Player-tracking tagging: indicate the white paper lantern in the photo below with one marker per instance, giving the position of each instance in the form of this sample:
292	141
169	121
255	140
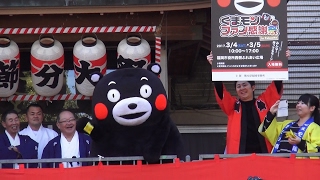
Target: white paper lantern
89	56
47	64
9	67
133	51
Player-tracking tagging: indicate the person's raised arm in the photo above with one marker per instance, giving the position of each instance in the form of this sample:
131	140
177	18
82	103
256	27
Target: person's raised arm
224	98
272	93
270	116
270	128
279	86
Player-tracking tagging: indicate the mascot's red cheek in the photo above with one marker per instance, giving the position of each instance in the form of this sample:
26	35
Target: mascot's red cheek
273	3
224	3
161	102
100	111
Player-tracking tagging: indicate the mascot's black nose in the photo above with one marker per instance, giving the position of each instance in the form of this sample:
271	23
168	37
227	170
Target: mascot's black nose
132	105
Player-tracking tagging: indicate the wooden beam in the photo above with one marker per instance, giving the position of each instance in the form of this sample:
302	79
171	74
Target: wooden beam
170	33
106	9
176	18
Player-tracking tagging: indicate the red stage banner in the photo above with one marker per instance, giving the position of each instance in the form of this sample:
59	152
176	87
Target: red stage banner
267	168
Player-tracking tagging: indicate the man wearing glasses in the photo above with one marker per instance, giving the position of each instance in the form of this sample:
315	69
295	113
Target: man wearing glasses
69	144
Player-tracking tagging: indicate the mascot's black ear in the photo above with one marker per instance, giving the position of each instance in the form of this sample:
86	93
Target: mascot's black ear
155	68
95	77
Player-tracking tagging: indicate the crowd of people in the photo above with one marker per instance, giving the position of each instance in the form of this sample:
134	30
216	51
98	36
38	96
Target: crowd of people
38	142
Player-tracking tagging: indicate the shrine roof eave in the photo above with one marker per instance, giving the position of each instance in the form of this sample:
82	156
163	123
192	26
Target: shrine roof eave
105	9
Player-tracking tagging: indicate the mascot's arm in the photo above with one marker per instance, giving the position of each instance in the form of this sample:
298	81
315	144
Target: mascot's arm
84	125
154	146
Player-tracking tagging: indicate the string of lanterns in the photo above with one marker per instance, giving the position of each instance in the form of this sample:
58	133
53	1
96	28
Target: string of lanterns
47	62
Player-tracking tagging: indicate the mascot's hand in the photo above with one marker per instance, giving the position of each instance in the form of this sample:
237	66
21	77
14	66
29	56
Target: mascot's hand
152	153
154	147
152	156
81	124
84	126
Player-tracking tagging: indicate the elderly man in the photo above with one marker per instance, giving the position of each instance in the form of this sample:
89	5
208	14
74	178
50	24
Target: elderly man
13	145
69	144
35	130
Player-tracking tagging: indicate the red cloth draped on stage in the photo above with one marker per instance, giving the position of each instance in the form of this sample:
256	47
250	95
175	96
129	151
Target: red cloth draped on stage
267	168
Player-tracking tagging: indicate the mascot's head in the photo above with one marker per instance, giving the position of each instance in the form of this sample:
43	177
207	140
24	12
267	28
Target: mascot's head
129	97
249	6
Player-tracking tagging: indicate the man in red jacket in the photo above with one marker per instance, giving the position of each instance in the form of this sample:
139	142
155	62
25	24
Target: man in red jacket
245	114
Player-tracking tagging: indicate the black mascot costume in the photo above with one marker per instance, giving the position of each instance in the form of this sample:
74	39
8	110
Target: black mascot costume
131	116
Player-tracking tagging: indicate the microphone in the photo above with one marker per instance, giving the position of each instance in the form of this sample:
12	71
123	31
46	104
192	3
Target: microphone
71	162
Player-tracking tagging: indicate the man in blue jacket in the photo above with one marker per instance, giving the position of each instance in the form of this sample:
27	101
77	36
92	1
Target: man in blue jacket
13	145
69	144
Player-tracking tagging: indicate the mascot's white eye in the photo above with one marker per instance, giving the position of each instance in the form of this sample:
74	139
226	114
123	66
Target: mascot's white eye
145	91
113	95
